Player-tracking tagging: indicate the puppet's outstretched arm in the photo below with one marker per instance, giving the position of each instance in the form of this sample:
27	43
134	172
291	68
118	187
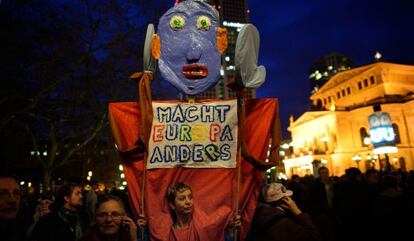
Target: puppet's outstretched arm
249	75
144	82
246	56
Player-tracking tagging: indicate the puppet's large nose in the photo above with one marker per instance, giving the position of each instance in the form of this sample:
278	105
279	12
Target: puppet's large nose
194	51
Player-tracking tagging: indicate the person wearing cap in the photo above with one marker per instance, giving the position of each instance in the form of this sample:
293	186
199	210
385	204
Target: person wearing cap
43	207
67	221
278	217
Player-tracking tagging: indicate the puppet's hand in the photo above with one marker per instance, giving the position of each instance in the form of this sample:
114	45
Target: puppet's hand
141	221
149	60
261	166
233	226
247	53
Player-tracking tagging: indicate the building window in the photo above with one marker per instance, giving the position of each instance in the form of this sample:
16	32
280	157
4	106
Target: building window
319	104
363	134
372	80
348	90
359	85
329	99
343	93
365	82
397	133
338	95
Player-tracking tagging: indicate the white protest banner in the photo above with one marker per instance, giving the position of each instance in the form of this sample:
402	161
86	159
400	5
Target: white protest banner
197	135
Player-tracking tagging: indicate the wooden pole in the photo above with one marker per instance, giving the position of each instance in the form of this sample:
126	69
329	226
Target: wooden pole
241	117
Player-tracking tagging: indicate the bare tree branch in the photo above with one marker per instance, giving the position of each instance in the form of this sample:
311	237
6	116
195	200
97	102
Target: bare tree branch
98	128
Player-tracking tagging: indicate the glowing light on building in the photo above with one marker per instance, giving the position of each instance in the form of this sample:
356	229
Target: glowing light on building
385	150
367	140
285	146
299	161
233	25
378	55
318	76
356	158
325	139
282	176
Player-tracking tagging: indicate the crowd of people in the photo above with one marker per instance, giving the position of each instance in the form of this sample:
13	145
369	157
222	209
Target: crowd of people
356	205
371	205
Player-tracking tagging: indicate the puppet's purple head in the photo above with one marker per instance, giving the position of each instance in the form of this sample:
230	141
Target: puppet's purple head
189	56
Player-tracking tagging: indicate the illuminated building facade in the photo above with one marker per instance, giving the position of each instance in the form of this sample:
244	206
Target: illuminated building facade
337	134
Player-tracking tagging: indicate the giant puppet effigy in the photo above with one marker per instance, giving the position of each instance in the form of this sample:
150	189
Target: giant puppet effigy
216	146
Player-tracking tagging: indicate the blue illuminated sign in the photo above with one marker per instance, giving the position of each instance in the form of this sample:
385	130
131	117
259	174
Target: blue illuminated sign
381	132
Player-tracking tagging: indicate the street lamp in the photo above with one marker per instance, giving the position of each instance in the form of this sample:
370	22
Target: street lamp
285	146
357	159
367	140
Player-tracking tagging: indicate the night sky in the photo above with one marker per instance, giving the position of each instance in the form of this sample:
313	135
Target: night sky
296	33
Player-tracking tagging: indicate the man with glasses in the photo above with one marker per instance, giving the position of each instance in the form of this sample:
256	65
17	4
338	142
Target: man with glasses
66	222
112	223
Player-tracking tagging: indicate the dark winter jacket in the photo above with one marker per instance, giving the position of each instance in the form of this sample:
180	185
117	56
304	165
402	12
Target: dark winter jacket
270	223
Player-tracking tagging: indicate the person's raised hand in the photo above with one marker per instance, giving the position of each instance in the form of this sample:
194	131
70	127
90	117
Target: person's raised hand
235	224
289	204
142	221
129	224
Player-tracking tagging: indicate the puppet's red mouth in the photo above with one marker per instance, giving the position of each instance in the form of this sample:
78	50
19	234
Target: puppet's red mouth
195	71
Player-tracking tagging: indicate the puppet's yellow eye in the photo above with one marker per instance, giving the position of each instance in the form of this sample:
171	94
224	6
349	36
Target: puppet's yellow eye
177	22
203	23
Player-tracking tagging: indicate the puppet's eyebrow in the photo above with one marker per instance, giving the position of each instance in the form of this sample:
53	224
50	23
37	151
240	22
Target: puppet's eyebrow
172	13
197	13
206	13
